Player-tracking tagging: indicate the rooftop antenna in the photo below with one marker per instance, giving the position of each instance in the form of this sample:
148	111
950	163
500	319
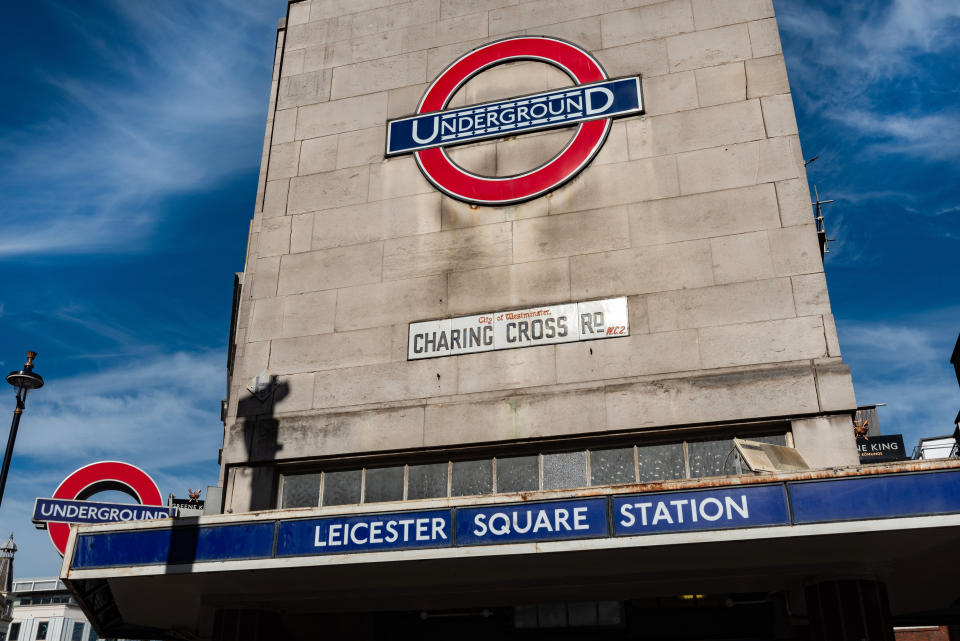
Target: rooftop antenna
821	228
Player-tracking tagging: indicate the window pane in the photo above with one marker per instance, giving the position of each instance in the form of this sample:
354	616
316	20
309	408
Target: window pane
561	471
427	481
383	484
661	462
581	614
772	439
77	631
341	488
472	477
301	490
609	467
518	474
707	458
42	629
14	631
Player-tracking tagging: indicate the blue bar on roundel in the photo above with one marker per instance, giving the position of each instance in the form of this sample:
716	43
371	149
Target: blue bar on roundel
525	522
365	533
547	110
719	509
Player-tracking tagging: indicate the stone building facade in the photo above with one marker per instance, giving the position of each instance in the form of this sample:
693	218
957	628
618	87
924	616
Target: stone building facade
697	212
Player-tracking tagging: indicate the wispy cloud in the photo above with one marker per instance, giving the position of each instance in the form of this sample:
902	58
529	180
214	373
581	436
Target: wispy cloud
905	364
171	111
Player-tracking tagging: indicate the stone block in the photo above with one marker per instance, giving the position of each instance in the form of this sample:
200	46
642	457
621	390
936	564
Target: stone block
402	301
455	214
310	313
338	350
445	32
835	387
330	268
739	165
328	190
507	369
646	59
361	147
326	9
283	160
301	233
370	222
720	213
790	339
667	94
766	76
265	277
275	198
637	310
795	203
569	234
294	393
826	441
304	89
795	250
510	287
585	32
741	257
439	58
617	184
293	63
298	13
830	332
525	15
810	294
379	75
266	322
479	158
647	23
635	355
696	129
390	18
764	38
721	84
447	251
523	153
761	393
708	48
318	155
710	13
516	417
284	125
314	59
350	432
253	360
721	305
778	115
338	116
397	177
449	8
274	237
404	101
385	383
316	32
641	270
615	149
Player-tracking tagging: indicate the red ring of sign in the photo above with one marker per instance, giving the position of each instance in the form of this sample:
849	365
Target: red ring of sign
463	185
138	484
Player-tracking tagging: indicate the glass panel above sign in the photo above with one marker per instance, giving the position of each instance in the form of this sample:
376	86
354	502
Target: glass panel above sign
531	327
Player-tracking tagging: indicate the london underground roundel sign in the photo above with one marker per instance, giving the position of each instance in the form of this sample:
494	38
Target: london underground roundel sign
590	104
68	505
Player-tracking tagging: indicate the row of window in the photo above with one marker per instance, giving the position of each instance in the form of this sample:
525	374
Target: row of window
545	471
43	628
45	600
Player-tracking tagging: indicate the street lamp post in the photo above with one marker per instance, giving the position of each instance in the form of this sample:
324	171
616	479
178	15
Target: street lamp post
23	381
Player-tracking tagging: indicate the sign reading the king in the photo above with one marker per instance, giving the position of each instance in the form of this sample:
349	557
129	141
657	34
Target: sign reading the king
591	104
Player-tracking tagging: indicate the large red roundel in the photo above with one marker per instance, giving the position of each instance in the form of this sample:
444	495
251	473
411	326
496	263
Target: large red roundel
488	190
104	475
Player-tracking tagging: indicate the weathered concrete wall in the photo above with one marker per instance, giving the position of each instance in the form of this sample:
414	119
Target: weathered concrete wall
698	212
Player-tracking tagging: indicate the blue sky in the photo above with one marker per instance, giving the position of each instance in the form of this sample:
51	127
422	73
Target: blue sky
129	151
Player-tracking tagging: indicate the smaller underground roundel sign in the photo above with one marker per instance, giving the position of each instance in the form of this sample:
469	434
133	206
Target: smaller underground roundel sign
68	504
591	104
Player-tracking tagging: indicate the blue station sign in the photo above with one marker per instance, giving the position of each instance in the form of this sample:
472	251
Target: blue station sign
785	504
547	110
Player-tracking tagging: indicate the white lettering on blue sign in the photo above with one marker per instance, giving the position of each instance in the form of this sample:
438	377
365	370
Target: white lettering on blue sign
70	511
557	108
532	522
382	531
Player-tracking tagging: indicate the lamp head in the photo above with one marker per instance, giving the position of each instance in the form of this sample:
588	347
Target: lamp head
26	379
